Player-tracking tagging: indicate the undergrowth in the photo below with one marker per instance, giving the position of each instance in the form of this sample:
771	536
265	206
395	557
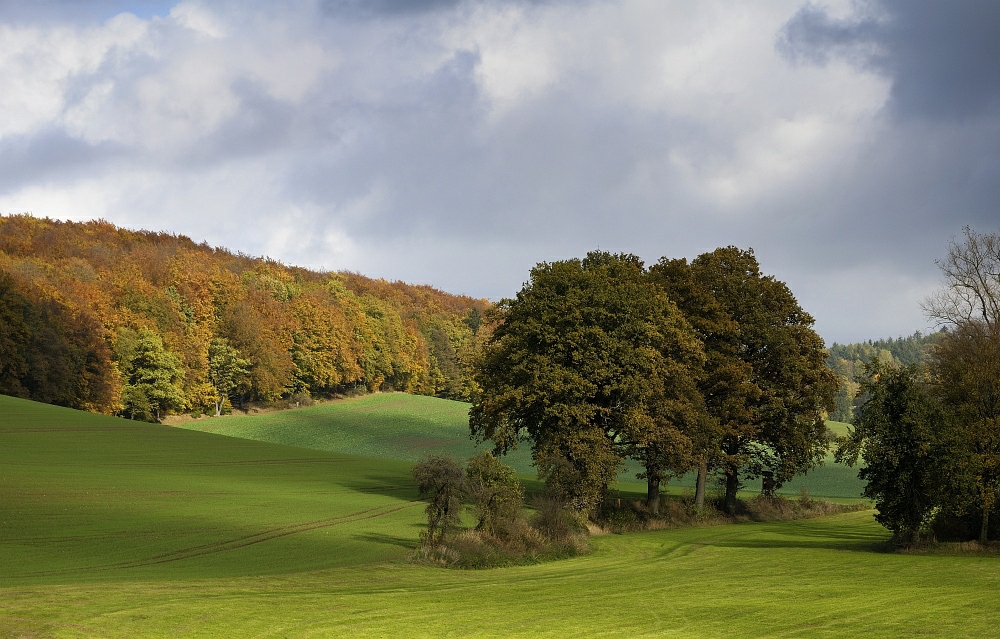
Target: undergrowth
618	516
552	532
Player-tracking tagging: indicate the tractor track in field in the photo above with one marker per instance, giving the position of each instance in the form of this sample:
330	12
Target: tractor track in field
233	544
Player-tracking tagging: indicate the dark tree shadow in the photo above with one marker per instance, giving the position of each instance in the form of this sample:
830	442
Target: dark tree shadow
391	540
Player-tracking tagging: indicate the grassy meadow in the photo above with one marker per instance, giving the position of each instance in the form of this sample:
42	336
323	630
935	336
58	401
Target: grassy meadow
407	427
111	528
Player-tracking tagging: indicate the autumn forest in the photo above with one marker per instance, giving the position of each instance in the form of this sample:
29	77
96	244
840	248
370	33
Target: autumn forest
141	324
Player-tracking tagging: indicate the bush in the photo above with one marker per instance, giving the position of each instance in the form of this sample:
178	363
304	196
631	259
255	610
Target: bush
554	520
498	496
503	536
441	479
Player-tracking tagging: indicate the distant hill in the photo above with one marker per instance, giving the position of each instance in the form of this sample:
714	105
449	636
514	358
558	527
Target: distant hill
117	321
846	361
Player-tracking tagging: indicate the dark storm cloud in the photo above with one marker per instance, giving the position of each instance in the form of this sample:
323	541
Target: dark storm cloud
943	57
934	165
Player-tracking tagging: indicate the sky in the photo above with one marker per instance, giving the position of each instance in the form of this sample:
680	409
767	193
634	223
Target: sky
458	143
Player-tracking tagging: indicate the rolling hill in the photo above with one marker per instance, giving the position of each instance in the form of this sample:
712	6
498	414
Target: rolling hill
407	427
112	528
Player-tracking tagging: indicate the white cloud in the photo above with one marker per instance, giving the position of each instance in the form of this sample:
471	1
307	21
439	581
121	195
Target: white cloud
459	145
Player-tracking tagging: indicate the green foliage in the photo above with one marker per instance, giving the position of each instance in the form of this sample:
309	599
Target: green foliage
574	362
775	388
847	362
496	493
227	371
966	369
901	434
151	375
441	481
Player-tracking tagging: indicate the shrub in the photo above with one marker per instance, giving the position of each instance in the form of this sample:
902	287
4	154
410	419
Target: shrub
440	479
497	495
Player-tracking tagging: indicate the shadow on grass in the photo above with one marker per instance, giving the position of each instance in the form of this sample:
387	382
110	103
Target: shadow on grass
809	534
398	486
390	540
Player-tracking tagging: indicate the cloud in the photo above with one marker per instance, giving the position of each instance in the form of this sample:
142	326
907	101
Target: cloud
943	58
457	143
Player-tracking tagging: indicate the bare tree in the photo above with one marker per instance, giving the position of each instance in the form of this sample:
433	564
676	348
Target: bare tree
966	363
971	291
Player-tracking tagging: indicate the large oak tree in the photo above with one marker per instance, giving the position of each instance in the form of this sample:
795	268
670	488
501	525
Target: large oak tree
589	362
768	386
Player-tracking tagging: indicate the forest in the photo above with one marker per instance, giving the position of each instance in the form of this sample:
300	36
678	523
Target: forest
143	324
847	361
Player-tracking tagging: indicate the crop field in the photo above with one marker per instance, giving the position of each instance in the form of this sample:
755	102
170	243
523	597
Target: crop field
407	427
110	528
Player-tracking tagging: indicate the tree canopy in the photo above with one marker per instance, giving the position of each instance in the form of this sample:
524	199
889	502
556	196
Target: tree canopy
589	361
705	363
72	291
773	387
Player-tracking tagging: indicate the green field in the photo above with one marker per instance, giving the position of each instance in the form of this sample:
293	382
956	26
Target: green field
384	425
110	528
406	427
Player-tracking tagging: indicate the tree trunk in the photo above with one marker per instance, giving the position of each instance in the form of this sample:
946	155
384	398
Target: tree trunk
732	485
653	495
218	408
699	490
985	528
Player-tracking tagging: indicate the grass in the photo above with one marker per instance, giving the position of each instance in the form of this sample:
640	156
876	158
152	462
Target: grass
88	497
111	528
406	427
383	425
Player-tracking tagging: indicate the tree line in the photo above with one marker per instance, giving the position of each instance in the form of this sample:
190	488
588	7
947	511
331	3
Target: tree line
707	365
143	324
847	361
928	434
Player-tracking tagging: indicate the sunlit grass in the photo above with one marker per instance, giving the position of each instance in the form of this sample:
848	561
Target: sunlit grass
407	427
111	528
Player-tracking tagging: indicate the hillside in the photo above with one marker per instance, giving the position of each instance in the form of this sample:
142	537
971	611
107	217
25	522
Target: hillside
847	361
407	427
145	324
112	528
86	497
385	425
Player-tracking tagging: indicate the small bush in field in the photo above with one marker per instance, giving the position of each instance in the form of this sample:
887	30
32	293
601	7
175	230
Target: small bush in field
497	495
440	479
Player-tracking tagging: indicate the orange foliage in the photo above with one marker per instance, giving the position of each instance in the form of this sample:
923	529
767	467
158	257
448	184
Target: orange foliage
302	330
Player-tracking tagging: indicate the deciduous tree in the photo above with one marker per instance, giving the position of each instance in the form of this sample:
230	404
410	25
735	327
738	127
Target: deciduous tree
580	365
778	426
901	436
966	368
227	371
151	375
966	361
496	493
